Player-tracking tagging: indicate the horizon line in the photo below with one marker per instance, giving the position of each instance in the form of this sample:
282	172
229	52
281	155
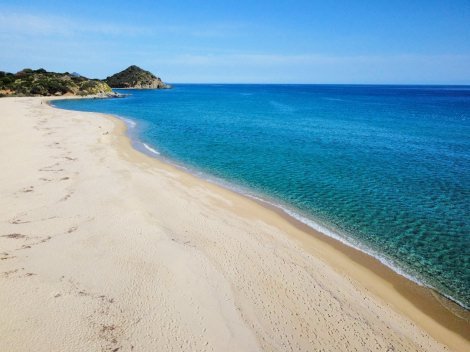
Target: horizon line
320	84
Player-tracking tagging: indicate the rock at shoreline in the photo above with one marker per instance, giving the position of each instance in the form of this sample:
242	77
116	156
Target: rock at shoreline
135	77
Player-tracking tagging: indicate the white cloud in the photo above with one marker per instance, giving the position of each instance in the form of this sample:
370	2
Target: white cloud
16	24
27	24
309	59
314	68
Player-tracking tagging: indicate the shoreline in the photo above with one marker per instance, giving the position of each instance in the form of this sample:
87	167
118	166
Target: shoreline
299	220
259	279
431	303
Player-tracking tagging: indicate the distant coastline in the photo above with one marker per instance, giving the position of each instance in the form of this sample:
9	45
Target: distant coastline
40	82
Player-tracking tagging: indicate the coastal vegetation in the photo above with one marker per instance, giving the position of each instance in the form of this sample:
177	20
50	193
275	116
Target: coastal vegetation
28	82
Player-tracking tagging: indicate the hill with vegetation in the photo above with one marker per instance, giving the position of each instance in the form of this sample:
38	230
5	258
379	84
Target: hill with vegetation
135	77
40	82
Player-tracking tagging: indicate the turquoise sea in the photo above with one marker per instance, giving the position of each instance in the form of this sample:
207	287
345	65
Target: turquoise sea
383	168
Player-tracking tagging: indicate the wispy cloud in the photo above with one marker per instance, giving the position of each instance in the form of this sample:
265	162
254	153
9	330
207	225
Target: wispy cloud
42	25
309	59
27	24
320	68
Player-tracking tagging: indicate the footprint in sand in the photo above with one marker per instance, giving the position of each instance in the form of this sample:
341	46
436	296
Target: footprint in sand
72	229
16	273
31	244
14	235
6	256
7	274
28	189
18	221
51	168
66	197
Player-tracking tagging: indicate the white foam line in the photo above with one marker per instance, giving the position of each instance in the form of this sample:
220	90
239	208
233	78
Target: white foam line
346	240
129	123
149	148
356	245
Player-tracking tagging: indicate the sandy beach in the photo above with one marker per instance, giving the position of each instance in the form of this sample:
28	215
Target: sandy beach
103	248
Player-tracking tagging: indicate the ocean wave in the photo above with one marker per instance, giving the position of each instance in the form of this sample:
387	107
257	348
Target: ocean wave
129	123
150	149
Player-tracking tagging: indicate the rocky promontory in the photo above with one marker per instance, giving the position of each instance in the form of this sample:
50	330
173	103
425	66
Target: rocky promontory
135	77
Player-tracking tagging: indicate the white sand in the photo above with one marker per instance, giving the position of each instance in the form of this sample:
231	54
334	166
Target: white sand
105	249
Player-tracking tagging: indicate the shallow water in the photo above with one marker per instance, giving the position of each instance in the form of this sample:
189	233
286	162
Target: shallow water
386	168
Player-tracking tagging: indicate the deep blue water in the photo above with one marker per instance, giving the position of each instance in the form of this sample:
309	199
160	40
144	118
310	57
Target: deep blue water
386	168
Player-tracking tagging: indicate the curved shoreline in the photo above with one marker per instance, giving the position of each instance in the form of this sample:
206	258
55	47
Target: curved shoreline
407	297
291	214
270	202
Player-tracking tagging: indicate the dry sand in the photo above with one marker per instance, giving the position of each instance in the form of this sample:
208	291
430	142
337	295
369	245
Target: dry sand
105	249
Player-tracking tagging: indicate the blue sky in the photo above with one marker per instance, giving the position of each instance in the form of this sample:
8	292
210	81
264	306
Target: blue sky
277	41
